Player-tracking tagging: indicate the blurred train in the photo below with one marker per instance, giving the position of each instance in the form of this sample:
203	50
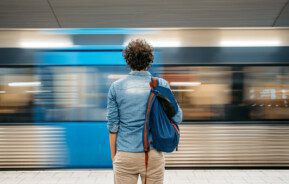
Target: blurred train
232	84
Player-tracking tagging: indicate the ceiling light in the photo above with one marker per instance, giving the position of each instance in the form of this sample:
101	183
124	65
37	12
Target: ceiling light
249	43
47	43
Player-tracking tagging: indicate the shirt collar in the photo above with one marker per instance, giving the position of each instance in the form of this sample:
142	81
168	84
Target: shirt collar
142	73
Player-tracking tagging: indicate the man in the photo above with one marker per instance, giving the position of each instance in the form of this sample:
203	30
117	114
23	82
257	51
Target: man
126	108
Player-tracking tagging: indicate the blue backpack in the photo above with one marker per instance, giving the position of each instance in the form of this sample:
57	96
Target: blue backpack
161	107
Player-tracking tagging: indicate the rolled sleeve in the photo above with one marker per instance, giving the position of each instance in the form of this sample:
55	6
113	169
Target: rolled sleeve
178	118
112	111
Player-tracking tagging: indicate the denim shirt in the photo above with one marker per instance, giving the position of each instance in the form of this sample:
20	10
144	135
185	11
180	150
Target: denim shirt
126	107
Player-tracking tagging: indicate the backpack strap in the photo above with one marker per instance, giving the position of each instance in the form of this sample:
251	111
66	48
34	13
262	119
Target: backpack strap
146	131
154	82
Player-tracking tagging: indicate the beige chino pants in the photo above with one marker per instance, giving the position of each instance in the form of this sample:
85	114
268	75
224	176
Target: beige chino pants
128	166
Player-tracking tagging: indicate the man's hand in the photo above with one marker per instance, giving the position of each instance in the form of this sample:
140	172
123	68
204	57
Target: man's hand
112	141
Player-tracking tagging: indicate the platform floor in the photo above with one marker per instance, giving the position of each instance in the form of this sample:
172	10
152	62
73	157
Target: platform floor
95	176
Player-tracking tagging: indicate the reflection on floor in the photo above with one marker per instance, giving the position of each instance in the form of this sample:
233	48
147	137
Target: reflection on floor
95	176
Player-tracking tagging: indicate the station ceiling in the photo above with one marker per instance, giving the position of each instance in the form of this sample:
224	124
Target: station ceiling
143	13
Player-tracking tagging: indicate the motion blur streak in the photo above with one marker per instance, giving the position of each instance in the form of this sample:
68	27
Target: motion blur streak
227	145
29	146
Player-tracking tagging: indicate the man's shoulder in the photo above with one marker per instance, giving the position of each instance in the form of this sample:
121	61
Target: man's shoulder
120	81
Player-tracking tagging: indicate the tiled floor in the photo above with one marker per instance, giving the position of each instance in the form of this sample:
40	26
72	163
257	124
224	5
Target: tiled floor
171	177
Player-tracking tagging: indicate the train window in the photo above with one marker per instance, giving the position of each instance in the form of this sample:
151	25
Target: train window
75	93
17	87
267	92
203	92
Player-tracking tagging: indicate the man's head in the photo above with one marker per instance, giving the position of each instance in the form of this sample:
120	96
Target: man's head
138	54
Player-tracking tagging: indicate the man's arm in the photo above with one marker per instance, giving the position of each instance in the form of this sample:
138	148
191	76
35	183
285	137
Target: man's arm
112	119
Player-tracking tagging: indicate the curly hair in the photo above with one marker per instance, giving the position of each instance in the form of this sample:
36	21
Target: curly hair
138	54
